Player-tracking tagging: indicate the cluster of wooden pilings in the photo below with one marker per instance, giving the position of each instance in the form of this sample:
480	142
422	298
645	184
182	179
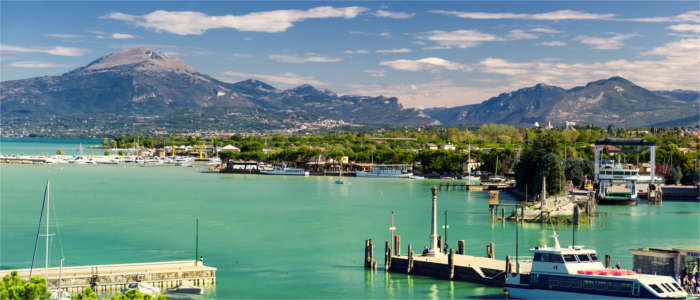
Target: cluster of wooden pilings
453	265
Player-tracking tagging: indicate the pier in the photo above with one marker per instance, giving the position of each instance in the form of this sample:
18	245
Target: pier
106	278
453	265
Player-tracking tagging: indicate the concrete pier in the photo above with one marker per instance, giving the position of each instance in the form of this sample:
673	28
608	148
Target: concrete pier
105	278
460	267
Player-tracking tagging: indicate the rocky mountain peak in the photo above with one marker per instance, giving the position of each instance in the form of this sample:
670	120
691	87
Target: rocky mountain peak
142	59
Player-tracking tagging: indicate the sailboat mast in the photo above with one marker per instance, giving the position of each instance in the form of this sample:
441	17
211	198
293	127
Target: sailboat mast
48	211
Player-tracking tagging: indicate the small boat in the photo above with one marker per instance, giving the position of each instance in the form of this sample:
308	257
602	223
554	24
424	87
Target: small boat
396	171
143	288
414	176
339	181
185	288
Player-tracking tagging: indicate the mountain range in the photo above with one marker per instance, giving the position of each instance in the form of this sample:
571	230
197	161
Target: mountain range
144	91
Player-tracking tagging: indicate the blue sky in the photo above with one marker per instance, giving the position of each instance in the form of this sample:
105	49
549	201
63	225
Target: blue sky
425	53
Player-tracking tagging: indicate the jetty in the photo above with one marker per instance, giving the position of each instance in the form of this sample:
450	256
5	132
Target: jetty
453	265
106	278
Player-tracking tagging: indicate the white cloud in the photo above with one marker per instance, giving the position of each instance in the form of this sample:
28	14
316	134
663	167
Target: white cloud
426	94
54	50
195	23
241	55
545	30
37	65
62	35
519	34
359	51
553	15
290	79
685	28
311	57
375	73
691	16
394	15
119	36
553	44
428	63
677	68
459	38
400	50
381	34
605	43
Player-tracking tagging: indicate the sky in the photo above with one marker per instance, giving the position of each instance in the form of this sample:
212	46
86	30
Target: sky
425	53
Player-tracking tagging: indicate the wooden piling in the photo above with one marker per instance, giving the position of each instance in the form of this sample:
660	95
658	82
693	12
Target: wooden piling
460	247
508	268
451	263
607	261
576	214
387	255
409	265
490	251
439	243
397	245
503	214
369	253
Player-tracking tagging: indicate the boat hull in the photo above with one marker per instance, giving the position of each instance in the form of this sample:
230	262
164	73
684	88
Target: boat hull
527	293
605	201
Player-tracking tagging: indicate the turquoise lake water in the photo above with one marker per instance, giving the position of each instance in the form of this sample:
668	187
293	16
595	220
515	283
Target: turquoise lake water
288	237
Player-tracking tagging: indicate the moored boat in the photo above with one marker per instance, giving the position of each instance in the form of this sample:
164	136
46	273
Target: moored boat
286	171
577	273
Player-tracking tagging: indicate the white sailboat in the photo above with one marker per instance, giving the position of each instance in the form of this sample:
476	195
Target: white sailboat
56	291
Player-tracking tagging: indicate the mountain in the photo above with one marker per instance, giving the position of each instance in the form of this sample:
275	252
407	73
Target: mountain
610	101
144	91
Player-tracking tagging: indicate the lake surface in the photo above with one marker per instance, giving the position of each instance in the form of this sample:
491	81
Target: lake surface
288	237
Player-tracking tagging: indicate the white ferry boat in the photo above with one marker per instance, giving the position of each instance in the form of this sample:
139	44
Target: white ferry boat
618	184
400	171
286	171
577	273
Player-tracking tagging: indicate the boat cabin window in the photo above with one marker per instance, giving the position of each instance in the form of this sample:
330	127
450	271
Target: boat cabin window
667	287
677	287
600	285
583	258
594	257
656	288
588	284
569	258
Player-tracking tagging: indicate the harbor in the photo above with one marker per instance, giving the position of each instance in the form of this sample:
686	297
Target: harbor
115	216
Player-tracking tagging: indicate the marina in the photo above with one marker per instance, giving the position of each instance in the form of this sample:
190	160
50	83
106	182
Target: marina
99	226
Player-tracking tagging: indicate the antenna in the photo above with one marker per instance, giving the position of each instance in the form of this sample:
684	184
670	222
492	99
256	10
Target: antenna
554	234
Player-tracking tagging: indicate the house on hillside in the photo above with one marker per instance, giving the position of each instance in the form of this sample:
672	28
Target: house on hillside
230	148
430	146
449	147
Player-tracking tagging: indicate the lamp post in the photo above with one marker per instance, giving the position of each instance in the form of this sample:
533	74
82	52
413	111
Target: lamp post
445	227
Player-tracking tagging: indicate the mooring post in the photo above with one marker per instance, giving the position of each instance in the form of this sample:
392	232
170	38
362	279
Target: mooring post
439	242
607	261
460	247
522	213
409	264
451	262
508	268
575	214
387	256
503	214
397	245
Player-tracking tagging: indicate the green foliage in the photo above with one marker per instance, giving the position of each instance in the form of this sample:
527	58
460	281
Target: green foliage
675	176
121	152
107	153
86	294
60	152
13	287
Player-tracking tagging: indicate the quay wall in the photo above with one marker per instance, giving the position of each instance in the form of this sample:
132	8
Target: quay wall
108	278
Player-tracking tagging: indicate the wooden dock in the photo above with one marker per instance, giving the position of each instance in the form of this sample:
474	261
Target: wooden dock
105	278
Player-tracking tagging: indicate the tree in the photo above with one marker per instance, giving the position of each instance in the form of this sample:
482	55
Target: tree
121	152
107	153
86	294
676	175
13	287
60	152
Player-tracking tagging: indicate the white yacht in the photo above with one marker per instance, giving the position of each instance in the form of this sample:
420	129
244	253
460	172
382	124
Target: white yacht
577	273
399	171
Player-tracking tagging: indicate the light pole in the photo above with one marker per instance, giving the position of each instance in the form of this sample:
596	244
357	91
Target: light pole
445	227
